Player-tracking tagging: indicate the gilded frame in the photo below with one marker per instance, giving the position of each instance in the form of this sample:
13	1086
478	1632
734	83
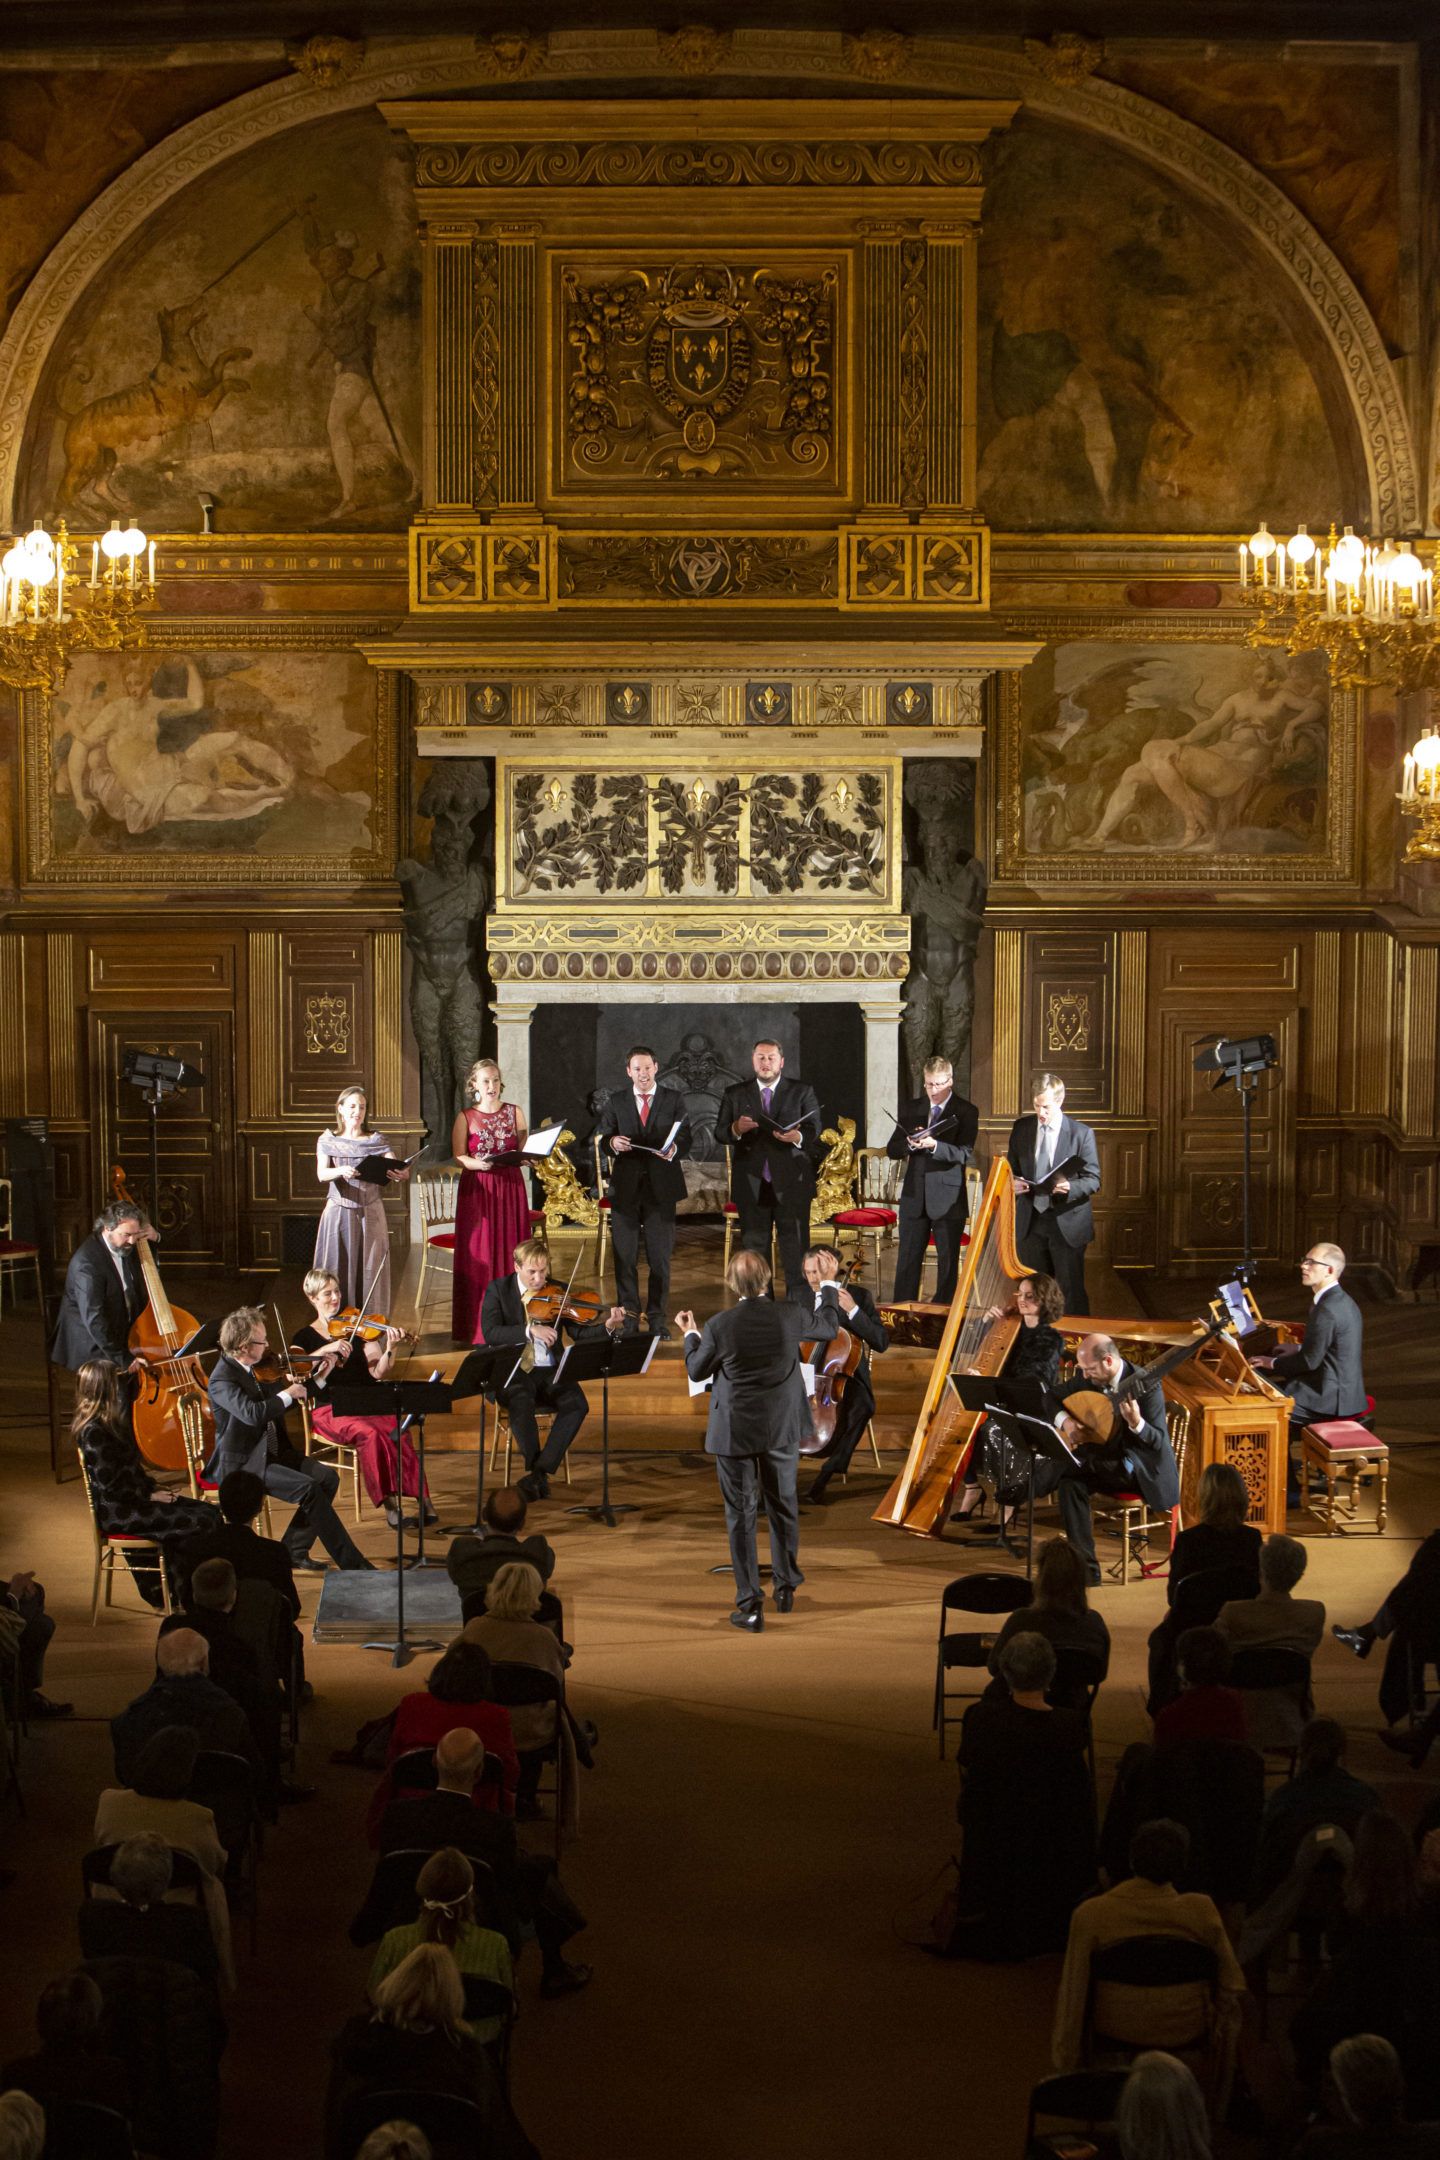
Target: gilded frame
1335	862
228	869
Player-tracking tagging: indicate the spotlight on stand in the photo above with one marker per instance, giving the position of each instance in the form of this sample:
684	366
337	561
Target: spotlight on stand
156	1077
1233	1059
1240	1059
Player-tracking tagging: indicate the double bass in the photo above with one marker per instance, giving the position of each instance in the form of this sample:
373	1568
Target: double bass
168	1379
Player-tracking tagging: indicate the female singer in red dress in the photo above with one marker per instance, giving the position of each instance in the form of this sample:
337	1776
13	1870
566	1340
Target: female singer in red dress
492	1214
373	1438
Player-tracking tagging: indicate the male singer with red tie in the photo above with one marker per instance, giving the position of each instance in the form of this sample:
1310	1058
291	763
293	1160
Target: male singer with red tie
646	1181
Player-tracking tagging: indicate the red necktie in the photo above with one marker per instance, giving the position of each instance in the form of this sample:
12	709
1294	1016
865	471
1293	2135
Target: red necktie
644	1110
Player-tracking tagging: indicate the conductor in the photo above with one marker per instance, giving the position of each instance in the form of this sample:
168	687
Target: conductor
759	1413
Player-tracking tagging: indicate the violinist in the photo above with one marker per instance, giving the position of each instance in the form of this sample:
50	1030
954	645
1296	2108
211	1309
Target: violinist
506	1316
104	1292
352	1359
856	1405
250	1435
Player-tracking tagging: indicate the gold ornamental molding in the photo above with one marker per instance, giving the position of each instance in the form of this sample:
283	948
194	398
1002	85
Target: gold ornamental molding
607	946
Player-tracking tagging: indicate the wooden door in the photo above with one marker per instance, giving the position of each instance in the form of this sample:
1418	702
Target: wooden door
1204	1137
195	1212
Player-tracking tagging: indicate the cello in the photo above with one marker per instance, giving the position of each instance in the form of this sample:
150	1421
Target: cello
168	1380
839	1362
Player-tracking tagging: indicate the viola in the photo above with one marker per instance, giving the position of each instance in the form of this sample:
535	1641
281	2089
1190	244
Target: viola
555	1301
352	1325
168	1380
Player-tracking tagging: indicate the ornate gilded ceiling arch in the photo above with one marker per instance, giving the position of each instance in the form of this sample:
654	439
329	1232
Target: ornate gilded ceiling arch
1363	379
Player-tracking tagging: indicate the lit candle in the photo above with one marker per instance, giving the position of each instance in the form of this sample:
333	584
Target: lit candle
1244	566
94	564
59	587
1407	784
152	566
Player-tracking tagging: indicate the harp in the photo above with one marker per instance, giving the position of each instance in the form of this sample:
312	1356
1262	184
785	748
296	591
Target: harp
919	1500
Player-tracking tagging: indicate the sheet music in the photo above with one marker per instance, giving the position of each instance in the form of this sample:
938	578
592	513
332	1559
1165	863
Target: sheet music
807	1374
638	1148
543	1140
699	1387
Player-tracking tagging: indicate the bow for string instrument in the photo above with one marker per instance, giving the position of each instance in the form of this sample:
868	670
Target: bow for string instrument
156	1336
839	1361
1098	1409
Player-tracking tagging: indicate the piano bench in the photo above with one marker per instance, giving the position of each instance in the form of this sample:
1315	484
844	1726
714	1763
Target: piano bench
1335	1448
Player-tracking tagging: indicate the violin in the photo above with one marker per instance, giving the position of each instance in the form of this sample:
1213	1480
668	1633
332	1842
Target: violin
556	1301
352	1325
168	1380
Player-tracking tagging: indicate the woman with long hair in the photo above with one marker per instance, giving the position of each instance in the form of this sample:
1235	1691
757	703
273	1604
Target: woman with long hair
353	1240
373	1438
446	1885
492	1213
1059	1608
1162	2115
1036	1354
1219	1545
126	1501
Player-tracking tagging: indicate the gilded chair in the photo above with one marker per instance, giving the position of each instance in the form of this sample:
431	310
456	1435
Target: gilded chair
117	1549
438	1192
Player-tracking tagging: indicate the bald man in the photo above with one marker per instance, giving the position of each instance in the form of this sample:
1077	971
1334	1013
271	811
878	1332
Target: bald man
1324	1377
1137	1457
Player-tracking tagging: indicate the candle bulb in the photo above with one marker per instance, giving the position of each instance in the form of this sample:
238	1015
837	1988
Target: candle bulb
1407	784
152	566
94	564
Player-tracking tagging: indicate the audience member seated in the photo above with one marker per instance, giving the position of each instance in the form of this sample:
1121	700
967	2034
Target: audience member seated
457	1693
1385	1972
1026	1811
415	2042
473	1562
1368	2088
1162	2115
1148	1903
1059	1609
510	1634
1205	1709
22	2127
233	1665
1321	1791
1274	1619
71	2062
446	1885
529	1889
1409	1621
23	1600
139	1921
126	1499
182	1693
229	1534
156	1802
1219	1557
164	2025
396	2141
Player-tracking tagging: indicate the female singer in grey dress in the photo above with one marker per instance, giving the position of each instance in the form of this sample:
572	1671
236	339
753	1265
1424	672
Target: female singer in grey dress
353	1242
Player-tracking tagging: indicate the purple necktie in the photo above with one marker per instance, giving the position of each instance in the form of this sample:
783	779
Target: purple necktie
765	1094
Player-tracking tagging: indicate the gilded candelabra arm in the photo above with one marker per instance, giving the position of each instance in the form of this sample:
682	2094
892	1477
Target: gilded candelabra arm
835	1181
566	1200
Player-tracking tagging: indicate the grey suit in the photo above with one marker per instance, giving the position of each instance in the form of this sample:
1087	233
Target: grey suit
759	1413
1323	1377
1052	1231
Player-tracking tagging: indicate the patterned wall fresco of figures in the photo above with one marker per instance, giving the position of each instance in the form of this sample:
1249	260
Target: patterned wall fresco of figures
260	346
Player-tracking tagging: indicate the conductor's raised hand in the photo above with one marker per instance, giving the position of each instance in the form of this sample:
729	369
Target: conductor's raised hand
687	1323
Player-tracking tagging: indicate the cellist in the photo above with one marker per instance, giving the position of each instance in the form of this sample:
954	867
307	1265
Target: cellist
104	1292
856	1406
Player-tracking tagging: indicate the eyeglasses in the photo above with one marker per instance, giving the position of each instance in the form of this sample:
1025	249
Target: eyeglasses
1311	1261
256	1342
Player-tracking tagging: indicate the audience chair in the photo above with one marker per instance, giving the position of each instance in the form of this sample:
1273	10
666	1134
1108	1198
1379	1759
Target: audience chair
517	1686
486	1999
15	1254
1081	2100
1199	1597
225	1784
192	1432
346	1460
1276	1687
1149	1964
454	2125
991	1594
1078	1677
501	1432
187	1881
84	2130
438	1192
115	1549
393	1900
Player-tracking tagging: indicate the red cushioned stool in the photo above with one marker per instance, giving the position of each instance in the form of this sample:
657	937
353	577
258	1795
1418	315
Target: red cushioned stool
1343	1447
876	1223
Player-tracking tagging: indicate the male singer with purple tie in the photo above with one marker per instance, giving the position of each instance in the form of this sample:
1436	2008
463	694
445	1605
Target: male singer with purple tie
773	1126
1053	1228
934	1137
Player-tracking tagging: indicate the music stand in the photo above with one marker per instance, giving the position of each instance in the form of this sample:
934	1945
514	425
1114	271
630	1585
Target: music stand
617	1356
478	1373
1018	1408
413	1399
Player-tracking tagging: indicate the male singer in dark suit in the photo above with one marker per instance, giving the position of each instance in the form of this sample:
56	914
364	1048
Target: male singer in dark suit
1139	1458
644	1189
934	1137
773	1126
1323	1376
1052	1229
529	1384
858	1316
250	1435
758	1415
104	1291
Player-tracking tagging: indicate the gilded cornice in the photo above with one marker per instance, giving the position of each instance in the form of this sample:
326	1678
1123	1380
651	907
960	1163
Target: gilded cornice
1363	373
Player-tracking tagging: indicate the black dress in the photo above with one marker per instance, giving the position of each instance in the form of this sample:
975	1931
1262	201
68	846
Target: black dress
1029	1829
126	1501
997	1461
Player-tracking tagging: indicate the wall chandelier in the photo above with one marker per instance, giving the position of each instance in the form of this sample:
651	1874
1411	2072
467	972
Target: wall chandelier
1370	607
49	610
